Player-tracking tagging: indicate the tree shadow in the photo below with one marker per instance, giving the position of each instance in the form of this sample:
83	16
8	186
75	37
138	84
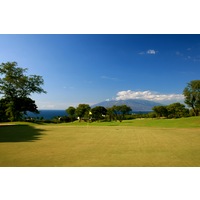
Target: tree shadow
19	133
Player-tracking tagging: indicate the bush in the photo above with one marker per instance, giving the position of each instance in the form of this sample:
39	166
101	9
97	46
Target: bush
152	115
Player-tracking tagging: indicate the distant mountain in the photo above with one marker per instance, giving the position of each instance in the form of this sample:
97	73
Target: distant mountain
135	104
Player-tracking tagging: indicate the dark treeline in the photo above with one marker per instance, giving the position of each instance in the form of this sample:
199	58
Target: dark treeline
99	113
119	113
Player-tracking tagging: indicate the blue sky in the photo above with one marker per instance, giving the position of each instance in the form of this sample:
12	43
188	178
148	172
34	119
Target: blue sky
93	68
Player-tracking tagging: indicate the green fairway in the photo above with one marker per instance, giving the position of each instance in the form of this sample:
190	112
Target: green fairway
130	143
190	122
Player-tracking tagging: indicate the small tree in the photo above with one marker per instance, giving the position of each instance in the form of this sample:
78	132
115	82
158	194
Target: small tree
71	112
120	111
192	95
98	112
161	111
124	110
82	111
110	114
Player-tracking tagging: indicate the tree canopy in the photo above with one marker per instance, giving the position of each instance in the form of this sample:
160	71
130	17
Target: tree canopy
82	111
15	84
16	87
177	110
161	111
174	110
192	95
119	112
71	112
98	112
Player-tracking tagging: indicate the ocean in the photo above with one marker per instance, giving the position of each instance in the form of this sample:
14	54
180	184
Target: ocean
48	114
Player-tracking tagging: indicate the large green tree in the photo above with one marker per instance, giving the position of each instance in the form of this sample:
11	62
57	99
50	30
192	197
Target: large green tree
192	95
16	87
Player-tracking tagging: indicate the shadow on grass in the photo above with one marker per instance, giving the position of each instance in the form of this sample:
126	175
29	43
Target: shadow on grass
19	133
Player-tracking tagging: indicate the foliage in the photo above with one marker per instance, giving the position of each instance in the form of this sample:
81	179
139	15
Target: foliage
71	112
174	110
18	106
161	111
192	95
82	111
16	84
98	112
16	88
3	117
152	115
110	114
14	109
119	112
177	110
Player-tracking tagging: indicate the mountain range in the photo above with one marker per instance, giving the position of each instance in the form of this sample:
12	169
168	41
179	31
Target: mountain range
135	104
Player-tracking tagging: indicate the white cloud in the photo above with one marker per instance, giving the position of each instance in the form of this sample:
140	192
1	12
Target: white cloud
149	95
151	51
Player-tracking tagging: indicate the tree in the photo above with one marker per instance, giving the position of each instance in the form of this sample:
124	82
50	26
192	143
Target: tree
3	107
18	107
16	87
71	112
161	111
82	111
110	114
177	110
192	95
120	111
124	109
98	112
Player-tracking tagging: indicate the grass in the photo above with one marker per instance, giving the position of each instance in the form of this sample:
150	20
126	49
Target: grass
191	122
144	142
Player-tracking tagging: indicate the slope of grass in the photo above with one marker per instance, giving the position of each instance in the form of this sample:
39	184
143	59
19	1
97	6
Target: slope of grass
191	122
130	143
